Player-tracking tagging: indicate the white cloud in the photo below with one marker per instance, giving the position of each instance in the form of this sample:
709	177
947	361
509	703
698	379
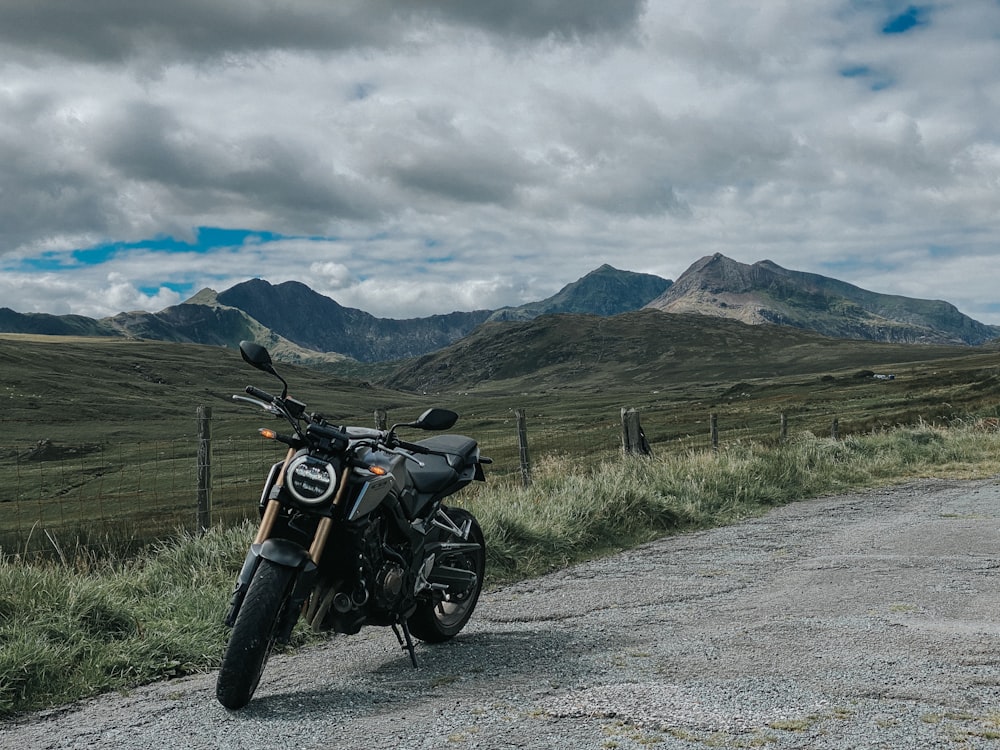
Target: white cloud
436	157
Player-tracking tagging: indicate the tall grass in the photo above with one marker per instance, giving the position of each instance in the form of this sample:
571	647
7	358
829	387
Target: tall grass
569	514
88	624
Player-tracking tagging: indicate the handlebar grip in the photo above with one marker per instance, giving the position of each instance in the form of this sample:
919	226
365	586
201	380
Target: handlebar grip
258	393
413	447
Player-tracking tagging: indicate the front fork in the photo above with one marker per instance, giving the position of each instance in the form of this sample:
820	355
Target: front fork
283	552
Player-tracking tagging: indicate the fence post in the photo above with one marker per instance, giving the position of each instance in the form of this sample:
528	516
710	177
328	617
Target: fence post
783	435
381	419
204	467
522	444
633	439
714	431
835	429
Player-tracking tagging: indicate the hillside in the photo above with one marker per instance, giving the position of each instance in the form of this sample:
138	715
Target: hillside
767	293
647	346
53	325
605	291
300	325
125	390
313	321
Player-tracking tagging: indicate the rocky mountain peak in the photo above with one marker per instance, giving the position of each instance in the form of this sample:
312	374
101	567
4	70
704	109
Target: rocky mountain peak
766	293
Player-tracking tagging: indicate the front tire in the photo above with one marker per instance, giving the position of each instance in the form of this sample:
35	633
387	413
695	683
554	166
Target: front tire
441	618
254	634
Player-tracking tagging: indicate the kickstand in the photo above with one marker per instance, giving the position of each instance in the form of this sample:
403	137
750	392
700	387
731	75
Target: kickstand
407	645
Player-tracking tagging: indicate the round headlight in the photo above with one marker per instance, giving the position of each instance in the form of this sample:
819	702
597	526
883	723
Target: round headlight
311	480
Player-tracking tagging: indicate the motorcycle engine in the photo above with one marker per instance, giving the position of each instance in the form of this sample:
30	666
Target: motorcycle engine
389	586
375	589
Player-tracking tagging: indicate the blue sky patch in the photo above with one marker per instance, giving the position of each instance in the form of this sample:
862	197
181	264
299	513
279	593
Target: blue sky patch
908	19
184	290
875	80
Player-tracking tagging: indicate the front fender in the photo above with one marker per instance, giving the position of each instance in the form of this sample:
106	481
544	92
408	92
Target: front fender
284	552
281	552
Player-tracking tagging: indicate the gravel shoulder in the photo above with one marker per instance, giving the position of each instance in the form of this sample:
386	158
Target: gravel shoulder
865	620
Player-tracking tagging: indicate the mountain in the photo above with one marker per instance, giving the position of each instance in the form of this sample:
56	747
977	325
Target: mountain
313	321
298	323
52	325
767	293
642	347
604	291
201	320
301	325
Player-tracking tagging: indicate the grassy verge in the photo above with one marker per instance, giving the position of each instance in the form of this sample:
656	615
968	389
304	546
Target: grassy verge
88	625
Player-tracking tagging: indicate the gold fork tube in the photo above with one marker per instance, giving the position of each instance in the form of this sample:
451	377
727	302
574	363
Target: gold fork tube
326	523
319	540
273	506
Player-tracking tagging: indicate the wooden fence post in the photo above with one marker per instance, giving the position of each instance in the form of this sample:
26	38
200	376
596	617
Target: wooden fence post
714	431
835	429
204	468
783	435
522	444
633	438
381	419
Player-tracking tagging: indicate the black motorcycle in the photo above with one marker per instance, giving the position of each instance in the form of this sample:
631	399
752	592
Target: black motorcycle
353	532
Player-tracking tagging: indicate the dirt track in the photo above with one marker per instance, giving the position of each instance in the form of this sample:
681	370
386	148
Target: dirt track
868	620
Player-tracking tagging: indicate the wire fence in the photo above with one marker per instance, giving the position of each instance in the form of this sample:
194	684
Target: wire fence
120	497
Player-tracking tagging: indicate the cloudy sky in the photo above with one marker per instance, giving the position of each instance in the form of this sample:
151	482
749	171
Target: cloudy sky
410	157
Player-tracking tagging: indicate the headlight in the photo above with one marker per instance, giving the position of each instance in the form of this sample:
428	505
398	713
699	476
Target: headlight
311	480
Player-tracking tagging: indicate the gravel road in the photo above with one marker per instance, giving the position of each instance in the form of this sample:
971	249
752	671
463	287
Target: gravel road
869	620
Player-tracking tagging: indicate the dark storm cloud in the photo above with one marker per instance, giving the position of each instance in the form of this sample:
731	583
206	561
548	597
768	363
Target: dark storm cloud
461	172
46	186
541	18
113	31
208	171
109	31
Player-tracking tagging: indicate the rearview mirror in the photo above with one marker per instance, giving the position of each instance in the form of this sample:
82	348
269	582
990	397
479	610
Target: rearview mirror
436	419
257	356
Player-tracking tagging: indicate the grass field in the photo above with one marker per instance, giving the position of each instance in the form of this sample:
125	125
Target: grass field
98	437
87	623
98	446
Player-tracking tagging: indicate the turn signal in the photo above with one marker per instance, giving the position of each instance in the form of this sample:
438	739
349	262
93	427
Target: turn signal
269	434
377	470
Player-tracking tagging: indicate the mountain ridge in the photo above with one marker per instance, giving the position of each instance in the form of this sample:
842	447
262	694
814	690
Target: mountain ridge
646	346
766	293
301	325
604	291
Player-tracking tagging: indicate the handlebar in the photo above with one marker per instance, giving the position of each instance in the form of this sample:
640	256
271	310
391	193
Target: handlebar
413	447
258	393
317	428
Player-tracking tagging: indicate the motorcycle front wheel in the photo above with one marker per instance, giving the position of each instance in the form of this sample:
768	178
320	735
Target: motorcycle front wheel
254	634
442	618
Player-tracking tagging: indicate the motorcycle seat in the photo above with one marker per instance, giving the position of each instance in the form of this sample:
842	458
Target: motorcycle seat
439	471
461	450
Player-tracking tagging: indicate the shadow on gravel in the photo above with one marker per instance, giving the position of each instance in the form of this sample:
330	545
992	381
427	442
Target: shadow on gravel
474	662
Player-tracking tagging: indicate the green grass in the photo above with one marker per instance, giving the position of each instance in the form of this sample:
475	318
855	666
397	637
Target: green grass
85	624
568	515
95	618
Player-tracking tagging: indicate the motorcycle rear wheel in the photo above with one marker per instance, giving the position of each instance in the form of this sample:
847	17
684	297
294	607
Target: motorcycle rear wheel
254	634
442	619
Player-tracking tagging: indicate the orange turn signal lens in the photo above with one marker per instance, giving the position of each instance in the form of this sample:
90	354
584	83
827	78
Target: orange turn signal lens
377	470
269	434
